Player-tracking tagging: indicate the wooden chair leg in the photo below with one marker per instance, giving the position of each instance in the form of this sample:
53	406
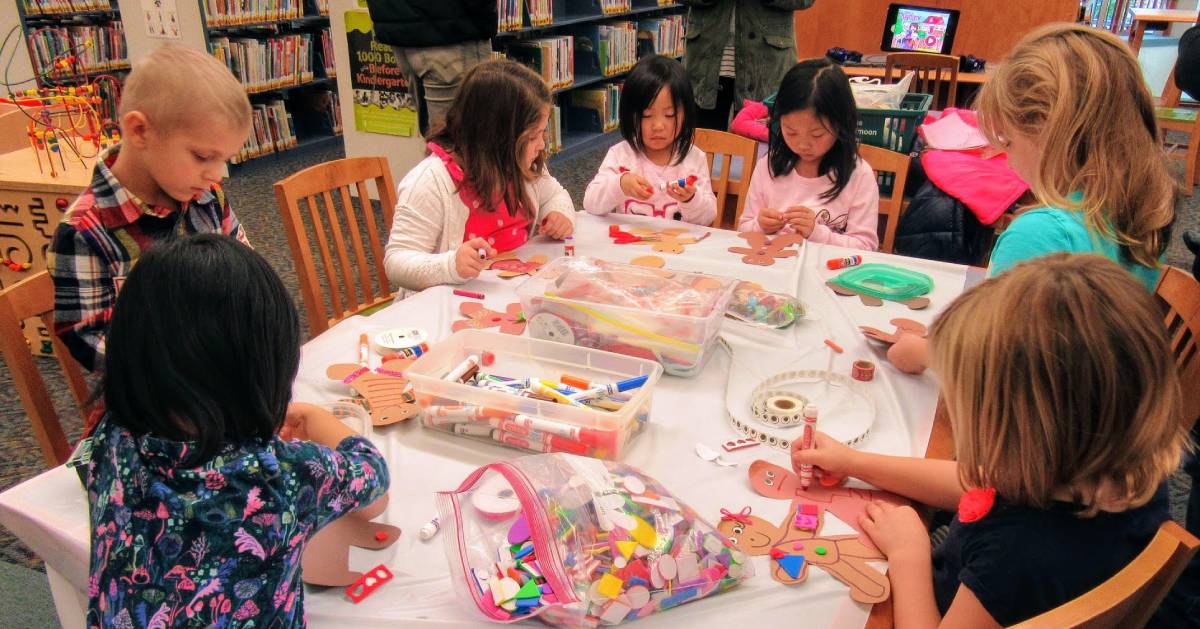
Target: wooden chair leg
1193	151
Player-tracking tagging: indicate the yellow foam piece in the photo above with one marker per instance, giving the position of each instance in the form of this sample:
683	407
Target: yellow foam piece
643	533
626	548
610	586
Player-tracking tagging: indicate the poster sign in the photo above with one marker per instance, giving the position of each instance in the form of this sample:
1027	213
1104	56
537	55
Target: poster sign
382	103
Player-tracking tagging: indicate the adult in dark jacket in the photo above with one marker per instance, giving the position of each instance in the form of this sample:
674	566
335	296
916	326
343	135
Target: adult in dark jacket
436	42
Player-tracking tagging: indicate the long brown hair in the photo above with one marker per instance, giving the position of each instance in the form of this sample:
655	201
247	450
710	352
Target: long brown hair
498	101
1059	381
1079	92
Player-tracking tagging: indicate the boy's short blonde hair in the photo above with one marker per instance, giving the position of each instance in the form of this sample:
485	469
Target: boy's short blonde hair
177	87
1058	378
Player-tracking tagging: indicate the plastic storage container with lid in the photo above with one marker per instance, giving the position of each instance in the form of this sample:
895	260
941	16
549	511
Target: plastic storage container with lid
667	316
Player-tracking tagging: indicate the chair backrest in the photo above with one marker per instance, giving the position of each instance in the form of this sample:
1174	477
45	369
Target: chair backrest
1129	597
34	297
315	186
730	147
891	173
930	69
1179	295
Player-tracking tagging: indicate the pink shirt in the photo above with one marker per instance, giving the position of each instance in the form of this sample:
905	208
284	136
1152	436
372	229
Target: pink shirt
850	220
604	194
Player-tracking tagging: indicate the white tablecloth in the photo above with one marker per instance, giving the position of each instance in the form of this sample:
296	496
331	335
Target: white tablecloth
49	512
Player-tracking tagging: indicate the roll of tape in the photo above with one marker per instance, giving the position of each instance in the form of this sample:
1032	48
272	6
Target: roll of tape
495	499
548	326
406	342
778	408
863	370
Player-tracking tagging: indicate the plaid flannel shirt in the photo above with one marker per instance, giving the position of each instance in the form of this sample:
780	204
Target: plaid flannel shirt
99	240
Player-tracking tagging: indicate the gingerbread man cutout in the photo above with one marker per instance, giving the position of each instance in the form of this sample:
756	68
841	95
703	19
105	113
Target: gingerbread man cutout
844	557
663	240
511	321
916	303
384	389
763	250
902	325
326	557
510	266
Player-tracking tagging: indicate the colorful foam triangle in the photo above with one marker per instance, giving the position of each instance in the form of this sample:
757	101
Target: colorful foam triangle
529	590
626	548
791	564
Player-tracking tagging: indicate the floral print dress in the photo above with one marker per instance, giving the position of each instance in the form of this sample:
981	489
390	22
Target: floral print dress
217	545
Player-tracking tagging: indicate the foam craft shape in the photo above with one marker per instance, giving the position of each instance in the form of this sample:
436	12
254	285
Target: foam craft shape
509	265
916	303
764	250
387	402
669	240
511	321
845	559
902	326
652	262
626	548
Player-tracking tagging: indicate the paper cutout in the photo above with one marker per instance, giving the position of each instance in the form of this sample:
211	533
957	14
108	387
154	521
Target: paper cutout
849	504
669	240
902	325
764	250
845	557
511	321
368	583
652	262
916	303
510	265
384	390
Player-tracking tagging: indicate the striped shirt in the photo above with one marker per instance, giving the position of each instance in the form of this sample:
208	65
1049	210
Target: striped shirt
100	238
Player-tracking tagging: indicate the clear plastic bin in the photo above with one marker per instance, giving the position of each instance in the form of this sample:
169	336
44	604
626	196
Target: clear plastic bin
670	317
524	422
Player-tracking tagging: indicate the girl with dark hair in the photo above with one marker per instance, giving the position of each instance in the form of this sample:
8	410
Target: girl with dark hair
199	510
484	187
656	171
813	182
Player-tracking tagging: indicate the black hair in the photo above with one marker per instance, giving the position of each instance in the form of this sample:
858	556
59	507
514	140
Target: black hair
820	85
203	346
642	86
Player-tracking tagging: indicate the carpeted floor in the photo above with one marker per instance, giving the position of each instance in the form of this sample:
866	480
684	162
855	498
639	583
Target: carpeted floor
251	194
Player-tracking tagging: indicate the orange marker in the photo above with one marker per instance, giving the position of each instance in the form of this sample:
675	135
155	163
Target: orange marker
834	346
572	381
364	350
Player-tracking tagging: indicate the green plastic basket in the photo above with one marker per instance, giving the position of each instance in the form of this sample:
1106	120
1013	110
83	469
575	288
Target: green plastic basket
894	129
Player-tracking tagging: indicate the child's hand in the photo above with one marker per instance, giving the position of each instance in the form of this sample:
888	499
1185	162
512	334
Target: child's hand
467	260
634	185
770	220
802	219
830	456
683	194
557	226
896	531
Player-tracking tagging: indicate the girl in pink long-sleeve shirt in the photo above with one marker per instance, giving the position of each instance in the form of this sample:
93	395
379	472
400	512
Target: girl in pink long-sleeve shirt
642	174
813	182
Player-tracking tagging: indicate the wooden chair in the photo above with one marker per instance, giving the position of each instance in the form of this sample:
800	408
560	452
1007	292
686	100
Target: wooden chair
729	146
891	172
1179	295
1172	117
34	297
930	69
1129	597
314	186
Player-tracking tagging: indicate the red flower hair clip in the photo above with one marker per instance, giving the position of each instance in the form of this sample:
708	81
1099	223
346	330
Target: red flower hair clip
975	504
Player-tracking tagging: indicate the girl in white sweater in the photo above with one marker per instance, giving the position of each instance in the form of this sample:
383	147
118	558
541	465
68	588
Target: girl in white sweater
484	187
656	171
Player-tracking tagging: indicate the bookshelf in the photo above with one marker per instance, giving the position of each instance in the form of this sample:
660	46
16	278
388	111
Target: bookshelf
583	49
87	35
282	52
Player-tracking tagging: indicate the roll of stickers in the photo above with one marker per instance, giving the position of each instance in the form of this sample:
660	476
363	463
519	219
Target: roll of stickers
495	499
778	408
405	342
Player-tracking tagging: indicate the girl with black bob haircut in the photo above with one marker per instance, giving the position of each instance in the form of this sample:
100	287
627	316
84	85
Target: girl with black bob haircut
813	182
655	171
201	477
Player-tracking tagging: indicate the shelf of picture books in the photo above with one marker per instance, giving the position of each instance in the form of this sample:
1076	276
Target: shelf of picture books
554	131
593	109
266	64
71	51
551	57
219	13
516	17
284	123
67	7
664	34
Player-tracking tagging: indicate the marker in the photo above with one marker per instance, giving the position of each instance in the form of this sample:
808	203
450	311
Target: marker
364	350
482	254
682	183
841	263
522	424
568	246
536	387
810	428
473	430
544	443
468	293
430	529
469	363
606	390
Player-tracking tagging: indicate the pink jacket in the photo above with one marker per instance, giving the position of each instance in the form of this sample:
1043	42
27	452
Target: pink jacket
604	194
850	220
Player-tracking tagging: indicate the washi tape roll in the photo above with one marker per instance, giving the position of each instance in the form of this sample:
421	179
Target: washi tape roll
863	370
495	499
778	408
406	342
548	326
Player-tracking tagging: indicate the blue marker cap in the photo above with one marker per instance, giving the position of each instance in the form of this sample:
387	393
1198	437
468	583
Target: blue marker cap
631	383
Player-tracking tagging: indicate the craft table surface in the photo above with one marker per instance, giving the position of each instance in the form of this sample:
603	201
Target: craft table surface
49	512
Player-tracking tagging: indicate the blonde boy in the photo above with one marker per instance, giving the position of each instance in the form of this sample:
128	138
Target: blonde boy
182	116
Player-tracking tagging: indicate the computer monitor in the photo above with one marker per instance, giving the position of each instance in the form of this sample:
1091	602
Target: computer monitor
910	28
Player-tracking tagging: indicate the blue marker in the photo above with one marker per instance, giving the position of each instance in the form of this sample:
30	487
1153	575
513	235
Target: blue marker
605	390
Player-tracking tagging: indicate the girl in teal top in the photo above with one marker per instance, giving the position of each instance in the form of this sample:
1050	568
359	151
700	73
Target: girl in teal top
1073	113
